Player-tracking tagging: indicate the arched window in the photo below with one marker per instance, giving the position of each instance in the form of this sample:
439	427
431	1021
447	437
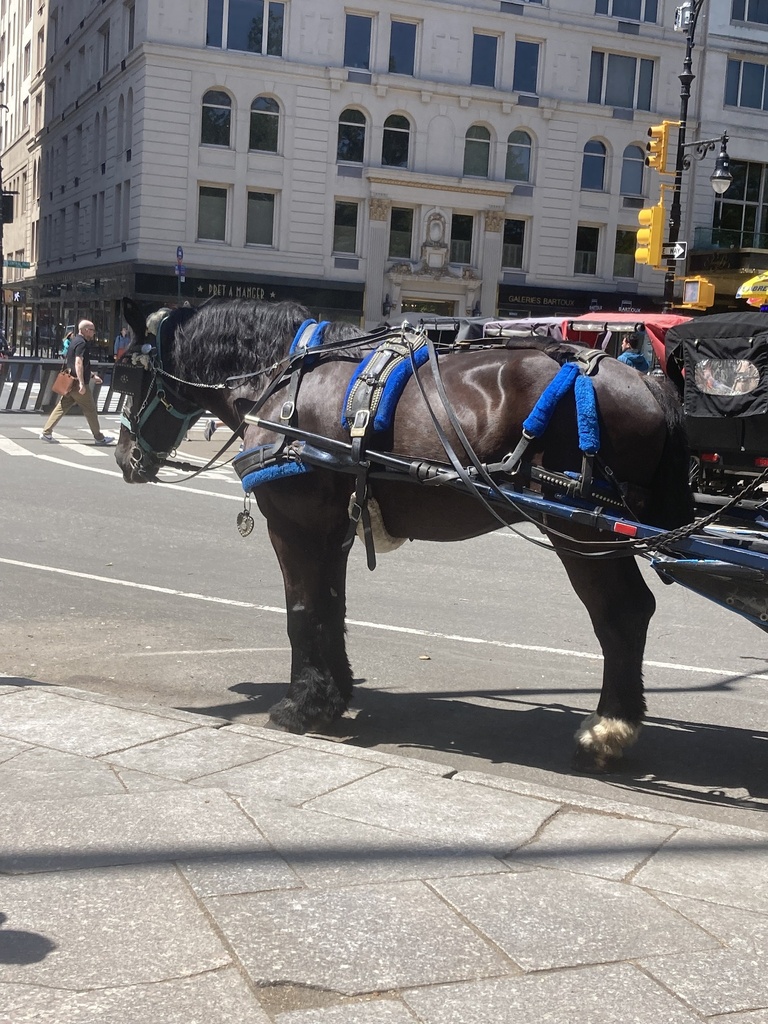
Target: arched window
593	166
351	144
120	124
217	118
519	147
103	141
265	120
632	166
129	121
394	147
477	151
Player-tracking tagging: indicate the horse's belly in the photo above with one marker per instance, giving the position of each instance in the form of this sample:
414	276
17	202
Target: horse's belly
421	512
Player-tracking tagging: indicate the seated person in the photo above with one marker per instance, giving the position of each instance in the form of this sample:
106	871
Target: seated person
631	353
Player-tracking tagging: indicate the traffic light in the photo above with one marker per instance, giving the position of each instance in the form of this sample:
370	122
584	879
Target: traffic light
698	293
650	236
656	149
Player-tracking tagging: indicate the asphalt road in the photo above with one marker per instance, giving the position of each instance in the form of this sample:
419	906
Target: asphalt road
476	655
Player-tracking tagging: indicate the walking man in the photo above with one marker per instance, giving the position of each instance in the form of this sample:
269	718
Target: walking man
79	367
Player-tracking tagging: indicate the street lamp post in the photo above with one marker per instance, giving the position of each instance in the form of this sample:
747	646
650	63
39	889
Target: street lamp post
686	19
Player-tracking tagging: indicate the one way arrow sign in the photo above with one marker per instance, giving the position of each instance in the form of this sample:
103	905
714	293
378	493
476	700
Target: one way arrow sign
676	251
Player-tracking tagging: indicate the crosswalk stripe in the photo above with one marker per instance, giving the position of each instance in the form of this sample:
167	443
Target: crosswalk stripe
11	448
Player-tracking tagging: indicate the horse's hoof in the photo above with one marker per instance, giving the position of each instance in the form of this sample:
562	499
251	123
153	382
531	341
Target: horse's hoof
285	716
591	761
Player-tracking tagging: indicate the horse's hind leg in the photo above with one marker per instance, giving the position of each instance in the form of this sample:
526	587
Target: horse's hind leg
314	573
620	606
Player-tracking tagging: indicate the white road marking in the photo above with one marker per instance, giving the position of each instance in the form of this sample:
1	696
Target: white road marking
164	486
214	650
382	626
11	448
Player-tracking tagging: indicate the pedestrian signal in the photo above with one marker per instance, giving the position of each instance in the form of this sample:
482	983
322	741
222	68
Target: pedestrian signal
656	149
698	293
650	236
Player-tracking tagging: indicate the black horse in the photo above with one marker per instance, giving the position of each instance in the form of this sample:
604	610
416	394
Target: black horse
228	351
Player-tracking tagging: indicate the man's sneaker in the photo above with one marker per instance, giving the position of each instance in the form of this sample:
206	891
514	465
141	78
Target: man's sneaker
49	438
210	430
105	440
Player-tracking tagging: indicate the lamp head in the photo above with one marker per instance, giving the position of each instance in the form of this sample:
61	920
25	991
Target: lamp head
721	177
684	16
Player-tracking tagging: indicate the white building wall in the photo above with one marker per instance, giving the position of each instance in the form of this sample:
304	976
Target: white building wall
170	68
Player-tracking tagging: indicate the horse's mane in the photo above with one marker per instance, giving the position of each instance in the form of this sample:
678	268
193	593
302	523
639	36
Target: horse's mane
227	337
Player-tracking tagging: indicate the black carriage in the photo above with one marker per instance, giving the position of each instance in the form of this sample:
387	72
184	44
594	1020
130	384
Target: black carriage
720	365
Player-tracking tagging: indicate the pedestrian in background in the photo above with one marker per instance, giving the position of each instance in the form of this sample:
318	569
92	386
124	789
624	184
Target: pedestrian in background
122	342
79	367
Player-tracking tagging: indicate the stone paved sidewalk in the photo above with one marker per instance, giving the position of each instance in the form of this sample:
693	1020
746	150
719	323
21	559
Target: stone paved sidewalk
159	867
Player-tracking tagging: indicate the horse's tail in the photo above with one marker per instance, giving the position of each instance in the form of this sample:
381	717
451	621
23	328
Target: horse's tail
671	502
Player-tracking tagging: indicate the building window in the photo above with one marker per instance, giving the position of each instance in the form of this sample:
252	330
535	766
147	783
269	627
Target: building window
104	32
40	54
130	17
750	10
632	168
252	26
216	119
741	214
513	244
345	228
593	166
631	10
483	59
518	166
394	148
212	214
477	151
526	73
461	238
745	85
586	250
259	226
351	142
25	113
265	121
27	64
402	47
624	253
619	81
400	233
357	42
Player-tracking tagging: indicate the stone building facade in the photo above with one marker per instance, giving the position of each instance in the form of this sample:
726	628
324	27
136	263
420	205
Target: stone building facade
484	156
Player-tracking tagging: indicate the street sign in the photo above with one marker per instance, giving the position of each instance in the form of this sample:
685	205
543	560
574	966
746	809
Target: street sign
675	251
179	254
21	264
180	270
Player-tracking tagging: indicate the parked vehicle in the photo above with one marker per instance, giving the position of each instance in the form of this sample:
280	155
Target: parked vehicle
720	364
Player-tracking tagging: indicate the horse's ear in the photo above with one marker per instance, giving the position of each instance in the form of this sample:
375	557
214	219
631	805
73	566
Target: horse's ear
134	317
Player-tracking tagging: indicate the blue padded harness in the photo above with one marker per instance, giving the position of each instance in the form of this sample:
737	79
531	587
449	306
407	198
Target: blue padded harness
272	472
393	388
309	336
569	376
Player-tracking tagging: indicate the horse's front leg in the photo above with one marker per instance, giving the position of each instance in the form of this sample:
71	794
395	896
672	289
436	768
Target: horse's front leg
620	606
314	573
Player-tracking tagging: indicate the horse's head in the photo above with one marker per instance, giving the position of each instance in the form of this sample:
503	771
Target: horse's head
184	362
157	411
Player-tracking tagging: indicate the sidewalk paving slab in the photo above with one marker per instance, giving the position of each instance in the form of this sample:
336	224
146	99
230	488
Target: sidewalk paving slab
163	867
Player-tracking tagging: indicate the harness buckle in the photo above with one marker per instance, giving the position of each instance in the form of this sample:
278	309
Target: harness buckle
360	423
287	411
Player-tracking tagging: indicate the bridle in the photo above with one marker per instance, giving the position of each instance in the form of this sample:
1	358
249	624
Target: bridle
150	402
